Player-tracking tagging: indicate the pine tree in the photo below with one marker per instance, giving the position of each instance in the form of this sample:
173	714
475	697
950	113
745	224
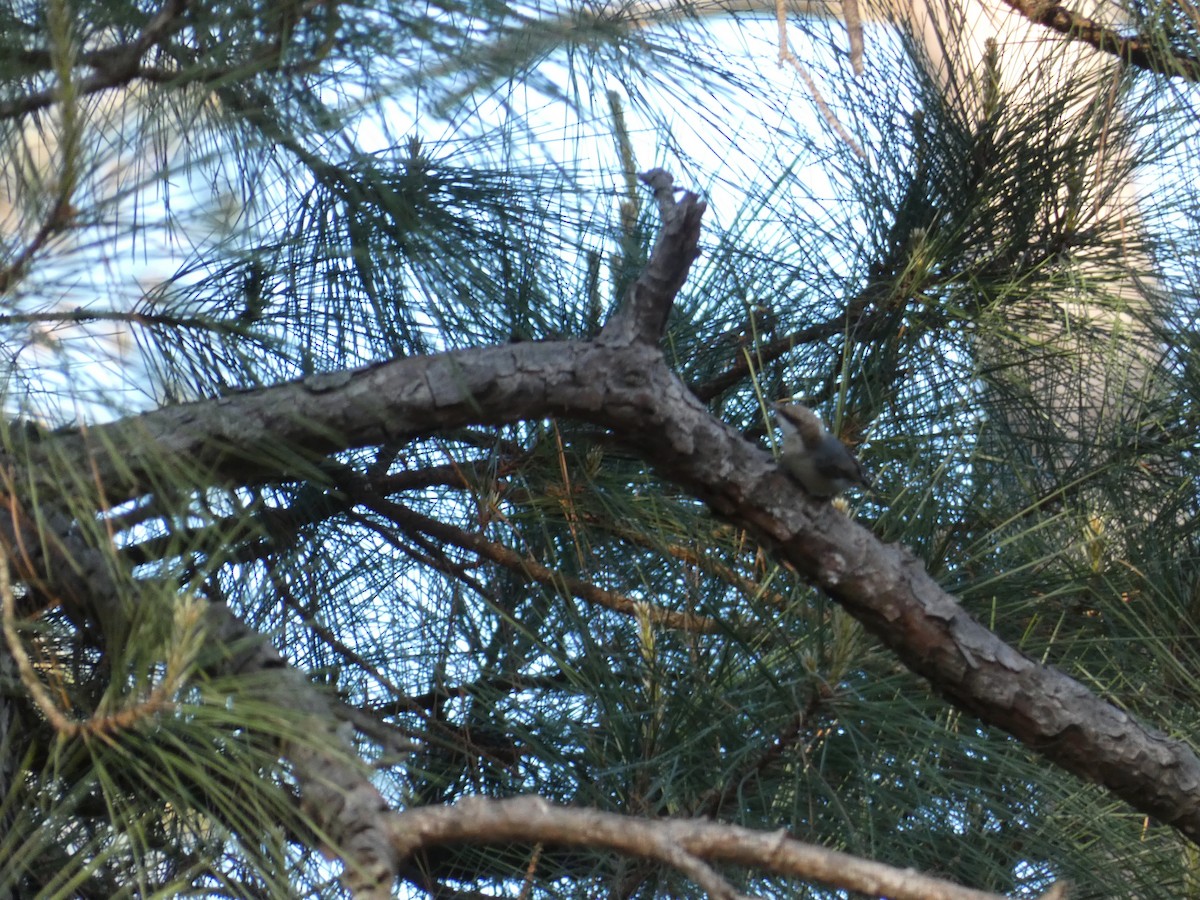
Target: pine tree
389	496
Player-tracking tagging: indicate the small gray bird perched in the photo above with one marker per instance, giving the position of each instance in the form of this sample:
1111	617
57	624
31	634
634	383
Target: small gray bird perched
822	464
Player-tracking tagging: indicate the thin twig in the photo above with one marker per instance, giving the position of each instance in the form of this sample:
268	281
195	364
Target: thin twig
41	698
535	571
787	56
854	28
61	215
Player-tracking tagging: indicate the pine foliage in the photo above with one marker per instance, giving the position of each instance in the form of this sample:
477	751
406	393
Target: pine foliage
205	199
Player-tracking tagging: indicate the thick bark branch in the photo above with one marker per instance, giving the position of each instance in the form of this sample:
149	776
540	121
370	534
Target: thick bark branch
623	383
336	790
630	390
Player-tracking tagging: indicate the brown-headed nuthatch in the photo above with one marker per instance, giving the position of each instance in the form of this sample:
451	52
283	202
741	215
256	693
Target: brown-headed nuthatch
822	464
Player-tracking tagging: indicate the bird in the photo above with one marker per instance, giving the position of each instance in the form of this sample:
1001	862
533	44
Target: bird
822	464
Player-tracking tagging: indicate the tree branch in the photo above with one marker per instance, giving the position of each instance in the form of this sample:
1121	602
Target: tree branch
534	571
643	315
679	843
50	556
628	388
336	789
1138	50
114	66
